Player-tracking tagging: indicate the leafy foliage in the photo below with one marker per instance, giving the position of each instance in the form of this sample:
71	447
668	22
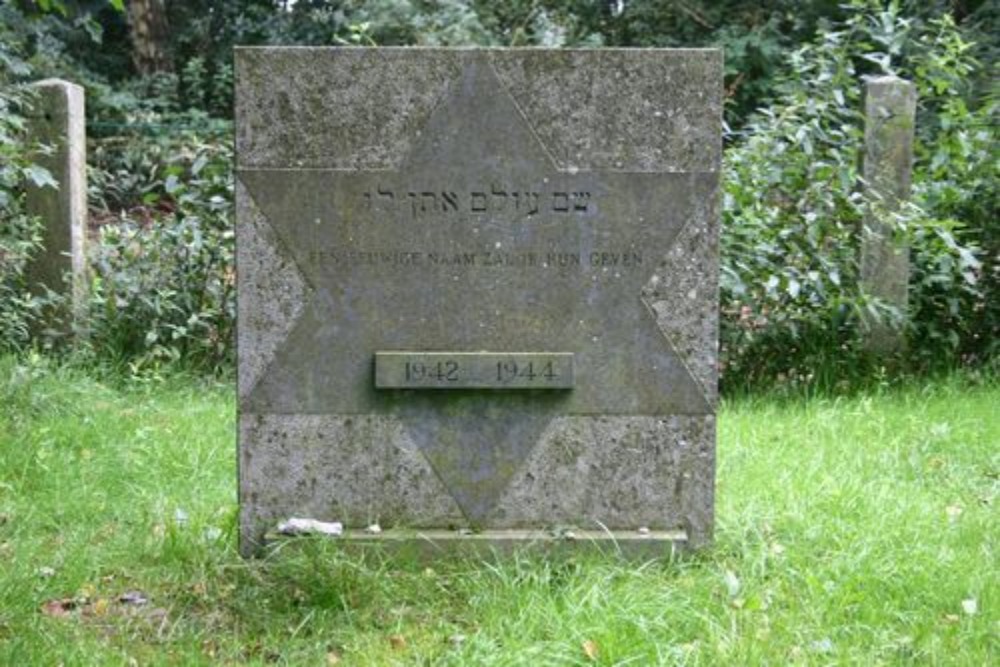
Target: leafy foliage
957	184
161	183
164	286
794	208
20	237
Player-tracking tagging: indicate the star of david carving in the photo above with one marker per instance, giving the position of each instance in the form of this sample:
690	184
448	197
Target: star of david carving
440	255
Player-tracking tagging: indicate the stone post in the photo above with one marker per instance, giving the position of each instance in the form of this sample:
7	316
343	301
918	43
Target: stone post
890	106
58	125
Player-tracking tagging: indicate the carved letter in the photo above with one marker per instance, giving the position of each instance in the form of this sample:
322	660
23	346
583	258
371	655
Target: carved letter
581	200
449	199
414	201
500	193
372	203
531	199
478	208
423	204
556	205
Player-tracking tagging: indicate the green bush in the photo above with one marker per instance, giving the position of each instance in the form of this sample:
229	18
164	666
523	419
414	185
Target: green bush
161	175
794	208
20	236
164	284
956	283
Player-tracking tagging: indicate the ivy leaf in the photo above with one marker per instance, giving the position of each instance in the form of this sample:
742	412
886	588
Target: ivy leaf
39	176
198	165
118	5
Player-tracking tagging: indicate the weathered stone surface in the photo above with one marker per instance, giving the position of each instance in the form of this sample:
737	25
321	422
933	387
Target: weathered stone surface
270	296
631	472
480	203
58	123
890	108
357	470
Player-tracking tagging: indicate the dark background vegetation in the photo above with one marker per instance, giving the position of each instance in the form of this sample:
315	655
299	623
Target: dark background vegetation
158	75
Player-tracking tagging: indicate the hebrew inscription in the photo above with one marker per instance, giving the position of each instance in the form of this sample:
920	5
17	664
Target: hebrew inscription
495	200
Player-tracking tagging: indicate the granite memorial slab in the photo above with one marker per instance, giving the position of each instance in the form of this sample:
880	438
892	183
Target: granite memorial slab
478	293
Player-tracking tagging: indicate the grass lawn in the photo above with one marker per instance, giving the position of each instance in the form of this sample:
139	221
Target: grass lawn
860	530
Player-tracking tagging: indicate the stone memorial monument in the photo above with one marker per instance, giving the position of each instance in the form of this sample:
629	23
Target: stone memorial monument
478	294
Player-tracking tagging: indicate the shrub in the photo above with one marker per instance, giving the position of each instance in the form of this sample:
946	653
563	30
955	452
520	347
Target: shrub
20	236
161	185
163	289
793	208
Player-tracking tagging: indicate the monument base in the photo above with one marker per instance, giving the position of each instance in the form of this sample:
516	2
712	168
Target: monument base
629	543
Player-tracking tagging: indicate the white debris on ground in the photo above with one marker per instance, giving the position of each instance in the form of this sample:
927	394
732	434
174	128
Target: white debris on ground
373	529
295	526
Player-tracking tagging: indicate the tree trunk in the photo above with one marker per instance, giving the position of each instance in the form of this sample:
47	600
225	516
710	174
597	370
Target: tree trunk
148	32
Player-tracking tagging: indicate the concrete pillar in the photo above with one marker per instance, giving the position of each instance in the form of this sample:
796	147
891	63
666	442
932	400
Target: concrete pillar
57	122
890	107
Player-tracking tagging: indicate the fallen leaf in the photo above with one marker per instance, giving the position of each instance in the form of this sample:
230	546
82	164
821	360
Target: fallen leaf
46	572
59	608
590	649
209	648
970	606
398	642
158	614
953	512
133	597
332	658
822	646
732	583
98	608
951	618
